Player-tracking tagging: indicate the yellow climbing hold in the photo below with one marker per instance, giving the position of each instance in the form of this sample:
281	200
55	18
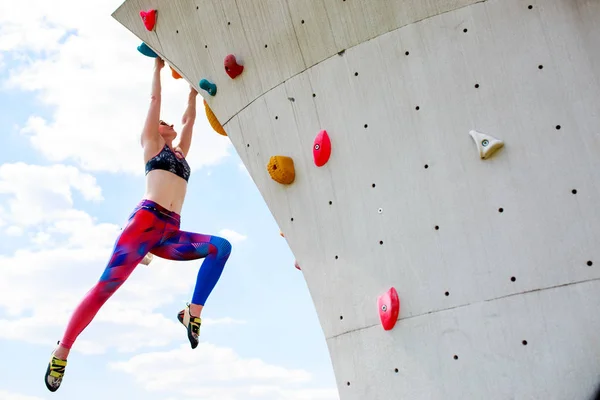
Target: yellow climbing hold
212	119
281	169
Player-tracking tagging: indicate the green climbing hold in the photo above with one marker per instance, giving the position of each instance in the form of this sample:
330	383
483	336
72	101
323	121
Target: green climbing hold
211	88
147	51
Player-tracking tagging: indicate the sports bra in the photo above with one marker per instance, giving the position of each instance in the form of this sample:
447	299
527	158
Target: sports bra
168	161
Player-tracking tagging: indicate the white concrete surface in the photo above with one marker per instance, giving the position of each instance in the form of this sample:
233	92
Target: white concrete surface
524	72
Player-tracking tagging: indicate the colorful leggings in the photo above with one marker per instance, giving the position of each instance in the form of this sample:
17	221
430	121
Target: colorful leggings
151	228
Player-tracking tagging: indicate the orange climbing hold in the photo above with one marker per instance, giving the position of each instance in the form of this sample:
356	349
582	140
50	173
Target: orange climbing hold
174	73
212	119
149	19
281	169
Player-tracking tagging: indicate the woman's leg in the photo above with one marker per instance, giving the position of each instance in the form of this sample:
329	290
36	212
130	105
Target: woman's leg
185	246
143	231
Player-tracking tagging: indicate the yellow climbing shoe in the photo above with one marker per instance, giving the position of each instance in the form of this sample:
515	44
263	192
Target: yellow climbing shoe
55	373
192	324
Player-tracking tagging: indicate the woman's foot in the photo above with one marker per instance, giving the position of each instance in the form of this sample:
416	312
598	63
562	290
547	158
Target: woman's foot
192	325
55	372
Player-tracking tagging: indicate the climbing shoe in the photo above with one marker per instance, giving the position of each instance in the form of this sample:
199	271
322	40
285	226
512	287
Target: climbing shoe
55	373
192	324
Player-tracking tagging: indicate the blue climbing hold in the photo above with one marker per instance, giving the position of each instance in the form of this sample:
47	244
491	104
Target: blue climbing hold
147	51
211	88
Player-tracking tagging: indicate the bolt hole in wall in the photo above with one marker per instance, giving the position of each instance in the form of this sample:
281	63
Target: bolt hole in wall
524	342
455	357
589	263
447	293
512	279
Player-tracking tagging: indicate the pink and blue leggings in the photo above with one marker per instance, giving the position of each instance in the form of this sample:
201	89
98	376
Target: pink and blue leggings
151	228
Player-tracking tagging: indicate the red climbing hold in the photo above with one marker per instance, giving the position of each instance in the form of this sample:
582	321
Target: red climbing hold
321	149
389	308
232	67
297	266
149	18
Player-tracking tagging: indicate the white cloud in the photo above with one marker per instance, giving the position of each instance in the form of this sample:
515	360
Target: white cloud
232	236
14	231
27	184
6	395
89	73
219	374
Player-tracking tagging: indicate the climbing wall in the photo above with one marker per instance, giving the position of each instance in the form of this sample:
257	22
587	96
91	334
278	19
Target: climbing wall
463	176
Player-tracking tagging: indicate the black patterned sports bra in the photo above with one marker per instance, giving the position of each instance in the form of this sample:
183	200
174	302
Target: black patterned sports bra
167	160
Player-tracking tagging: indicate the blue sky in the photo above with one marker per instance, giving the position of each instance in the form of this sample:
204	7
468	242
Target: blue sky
73	97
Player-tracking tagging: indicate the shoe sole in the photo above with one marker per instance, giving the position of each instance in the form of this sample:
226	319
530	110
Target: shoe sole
184	318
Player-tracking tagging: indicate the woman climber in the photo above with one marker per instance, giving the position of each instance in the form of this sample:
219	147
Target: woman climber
153	227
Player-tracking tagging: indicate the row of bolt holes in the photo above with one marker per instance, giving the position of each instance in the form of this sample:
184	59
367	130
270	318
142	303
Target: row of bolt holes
512	278
416	108
302	21
396	370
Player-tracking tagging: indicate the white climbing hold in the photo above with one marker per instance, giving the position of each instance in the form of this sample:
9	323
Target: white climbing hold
486	144
147	259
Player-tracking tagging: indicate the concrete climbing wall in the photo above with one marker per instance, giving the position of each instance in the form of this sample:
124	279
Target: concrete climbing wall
495	260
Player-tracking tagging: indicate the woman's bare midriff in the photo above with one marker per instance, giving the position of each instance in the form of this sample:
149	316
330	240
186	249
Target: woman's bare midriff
166	189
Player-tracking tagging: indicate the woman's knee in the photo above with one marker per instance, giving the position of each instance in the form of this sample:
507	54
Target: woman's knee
222	246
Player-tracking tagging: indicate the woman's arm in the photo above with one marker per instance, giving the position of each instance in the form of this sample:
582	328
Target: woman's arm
150	132
188	119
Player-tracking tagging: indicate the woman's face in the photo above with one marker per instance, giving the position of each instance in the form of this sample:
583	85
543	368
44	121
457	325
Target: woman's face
166	131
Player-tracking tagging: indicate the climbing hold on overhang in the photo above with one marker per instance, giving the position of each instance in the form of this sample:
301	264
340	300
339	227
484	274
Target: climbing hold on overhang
295	261
174	73
486	144
212	119
149	18
211	88
147	259
389	308
147	51
281	169
232	67
321	149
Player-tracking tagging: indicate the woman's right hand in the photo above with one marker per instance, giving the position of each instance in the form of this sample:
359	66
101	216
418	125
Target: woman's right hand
159	63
